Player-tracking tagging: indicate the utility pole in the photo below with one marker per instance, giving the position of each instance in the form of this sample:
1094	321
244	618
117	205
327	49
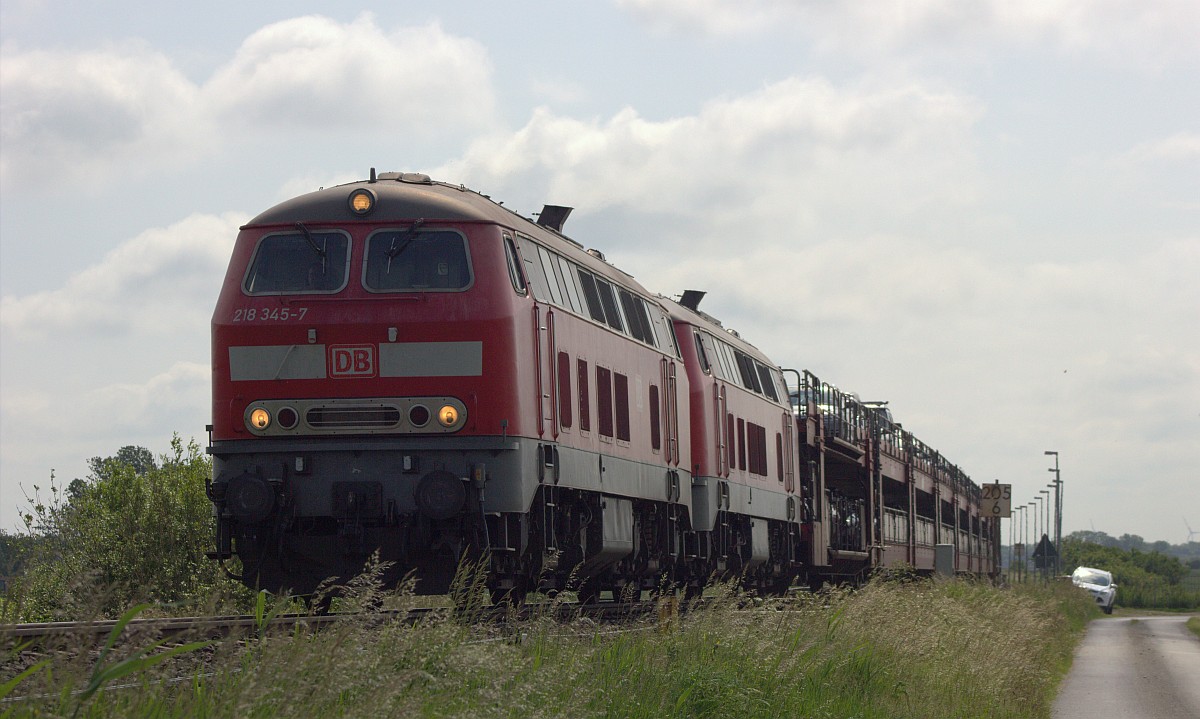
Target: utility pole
1042	498
1025	540
1058	492
1025	519
1048	532
1021	527
1037	518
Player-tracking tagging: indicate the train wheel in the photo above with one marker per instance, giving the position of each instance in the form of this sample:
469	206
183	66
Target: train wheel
514	595
780	587
589	591
319	604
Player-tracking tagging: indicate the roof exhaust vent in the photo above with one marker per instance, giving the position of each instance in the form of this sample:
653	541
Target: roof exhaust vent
691	299
554	217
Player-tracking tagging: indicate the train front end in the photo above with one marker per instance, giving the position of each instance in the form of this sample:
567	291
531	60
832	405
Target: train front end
365	390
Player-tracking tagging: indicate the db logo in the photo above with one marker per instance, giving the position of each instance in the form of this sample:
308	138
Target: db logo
352	360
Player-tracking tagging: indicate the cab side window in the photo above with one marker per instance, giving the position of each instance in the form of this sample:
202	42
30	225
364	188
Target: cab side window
514	267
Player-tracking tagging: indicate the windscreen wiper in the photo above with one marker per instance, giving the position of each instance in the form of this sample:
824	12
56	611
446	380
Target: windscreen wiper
409	235
319	250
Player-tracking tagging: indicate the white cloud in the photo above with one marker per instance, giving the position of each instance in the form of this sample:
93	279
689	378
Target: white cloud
714	17
1152	31
1182	147
129	110
165	401
70	114
313	72
783	159
150	284
57	426
116	355
311	182
146	408
559	91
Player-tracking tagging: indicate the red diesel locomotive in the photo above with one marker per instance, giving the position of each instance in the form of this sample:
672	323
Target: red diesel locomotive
403	366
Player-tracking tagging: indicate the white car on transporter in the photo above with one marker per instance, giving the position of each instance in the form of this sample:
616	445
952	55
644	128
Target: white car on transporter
1099	584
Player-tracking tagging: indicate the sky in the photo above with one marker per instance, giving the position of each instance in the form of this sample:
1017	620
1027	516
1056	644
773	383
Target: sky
985	213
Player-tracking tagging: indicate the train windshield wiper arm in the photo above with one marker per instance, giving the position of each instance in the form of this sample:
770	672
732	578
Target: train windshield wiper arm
319	250
409	235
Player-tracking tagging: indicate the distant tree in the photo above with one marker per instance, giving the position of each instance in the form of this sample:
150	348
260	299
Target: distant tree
14	548
139	459
1131	541
1185	551
76	489
1169	568
1093	537
1145	579
1078	553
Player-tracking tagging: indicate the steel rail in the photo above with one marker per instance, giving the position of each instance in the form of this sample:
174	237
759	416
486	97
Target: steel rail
223	625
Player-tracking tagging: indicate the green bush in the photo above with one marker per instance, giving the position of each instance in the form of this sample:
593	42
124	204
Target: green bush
136	532
1144	579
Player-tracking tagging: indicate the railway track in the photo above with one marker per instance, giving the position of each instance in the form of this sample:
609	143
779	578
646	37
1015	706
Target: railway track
167	626
35	634
28	645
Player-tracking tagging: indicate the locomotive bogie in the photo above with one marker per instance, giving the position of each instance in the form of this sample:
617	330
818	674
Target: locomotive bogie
330	504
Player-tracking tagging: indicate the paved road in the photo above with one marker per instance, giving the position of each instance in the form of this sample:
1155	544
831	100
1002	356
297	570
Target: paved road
1132	667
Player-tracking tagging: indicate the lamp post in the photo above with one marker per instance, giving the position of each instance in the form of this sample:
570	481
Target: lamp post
1053	488
1058	492
1037	516
1030	529
1046	523
1024	546
1016	526
1016	541
1024	539
1029	524
1037	526
1045	530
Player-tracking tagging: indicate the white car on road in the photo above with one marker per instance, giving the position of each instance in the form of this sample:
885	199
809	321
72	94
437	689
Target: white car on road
1099	584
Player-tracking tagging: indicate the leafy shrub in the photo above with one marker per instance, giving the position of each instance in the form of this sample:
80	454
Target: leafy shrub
136	532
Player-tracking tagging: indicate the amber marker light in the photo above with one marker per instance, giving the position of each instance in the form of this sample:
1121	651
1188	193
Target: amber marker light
362	202
260	418
448	415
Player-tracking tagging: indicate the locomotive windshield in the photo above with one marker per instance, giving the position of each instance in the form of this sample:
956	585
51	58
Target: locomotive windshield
400	260
299	262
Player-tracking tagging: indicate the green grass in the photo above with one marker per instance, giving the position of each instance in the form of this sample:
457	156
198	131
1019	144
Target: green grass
1193	624
919	649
